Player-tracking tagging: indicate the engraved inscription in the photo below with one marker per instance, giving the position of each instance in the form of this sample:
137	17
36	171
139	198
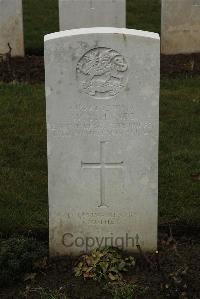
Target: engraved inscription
102	73
100	214
102	165
102	217
103	121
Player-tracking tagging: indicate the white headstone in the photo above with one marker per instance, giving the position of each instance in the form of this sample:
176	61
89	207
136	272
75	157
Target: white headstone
92	13
11	27
102	101
180	26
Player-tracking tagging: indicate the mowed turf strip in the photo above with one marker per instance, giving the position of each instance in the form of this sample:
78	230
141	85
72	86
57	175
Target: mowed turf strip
23	164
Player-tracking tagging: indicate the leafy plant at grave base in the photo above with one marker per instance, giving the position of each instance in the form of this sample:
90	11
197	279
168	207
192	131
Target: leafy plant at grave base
20	255
125	290
104	264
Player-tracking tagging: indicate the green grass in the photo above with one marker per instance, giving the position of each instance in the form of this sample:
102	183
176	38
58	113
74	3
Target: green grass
41	17
144	14
23	164
179	150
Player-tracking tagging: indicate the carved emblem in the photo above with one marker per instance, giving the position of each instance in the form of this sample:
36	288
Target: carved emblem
102	73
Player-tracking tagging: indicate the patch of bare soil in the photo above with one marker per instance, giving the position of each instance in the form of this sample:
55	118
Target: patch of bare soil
22	69
31	68
173	65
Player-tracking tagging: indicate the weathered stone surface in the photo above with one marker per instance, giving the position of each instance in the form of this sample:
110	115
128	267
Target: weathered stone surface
11	27
180	26
92	13
102	101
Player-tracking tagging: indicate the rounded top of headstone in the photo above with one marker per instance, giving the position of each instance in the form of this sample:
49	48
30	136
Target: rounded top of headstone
101	30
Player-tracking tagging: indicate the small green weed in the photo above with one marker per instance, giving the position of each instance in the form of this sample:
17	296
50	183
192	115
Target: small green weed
104	264
124	290
44	293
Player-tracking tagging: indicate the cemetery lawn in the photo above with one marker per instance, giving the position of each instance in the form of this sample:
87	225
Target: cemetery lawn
23	164
41	17
23	169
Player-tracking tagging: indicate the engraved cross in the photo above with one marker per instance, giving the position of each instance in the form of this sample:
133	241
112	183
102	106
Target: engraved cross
102	165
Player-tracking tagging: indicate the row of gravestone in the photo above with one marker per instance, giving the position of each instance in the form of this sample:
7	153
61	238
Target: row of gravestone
180	22
102	112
